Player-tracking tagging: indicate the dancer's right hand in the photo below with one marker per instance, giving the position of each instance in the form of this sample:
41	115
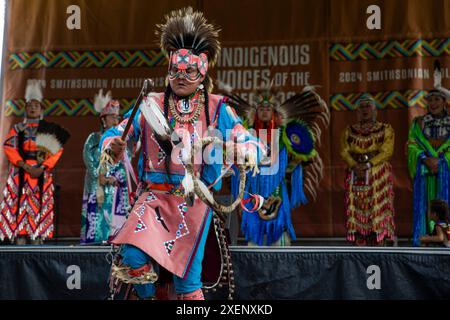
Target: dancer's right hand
102	179
117	148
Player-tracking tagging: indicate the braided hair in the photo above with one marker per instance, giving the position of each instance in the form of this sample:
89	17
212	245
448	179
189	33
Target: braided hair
206	84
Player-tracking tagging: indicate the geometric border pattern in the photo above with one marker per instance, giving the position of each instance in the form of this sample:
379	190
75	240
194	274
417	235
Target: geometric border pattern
150	58
390	49
87	59
387	99
338	102
63	107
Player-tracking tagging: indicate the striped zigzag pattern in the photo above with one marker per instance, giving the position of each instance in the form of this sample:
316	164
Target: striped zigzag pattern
155	57
86	59
339	102
63	107
384	100
390	49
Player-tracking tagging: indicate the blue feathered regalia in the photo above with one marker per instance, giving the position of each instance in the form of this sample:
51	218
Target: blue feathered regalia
293	170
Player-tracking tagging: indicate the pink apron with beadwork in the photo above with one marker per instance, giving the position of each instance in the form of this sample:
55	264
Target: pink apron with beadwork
162	226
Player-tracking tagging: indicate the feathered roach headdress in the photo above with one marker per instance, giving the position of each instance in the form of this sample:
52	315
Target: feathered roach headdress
50	138
186	29
269	96
187	39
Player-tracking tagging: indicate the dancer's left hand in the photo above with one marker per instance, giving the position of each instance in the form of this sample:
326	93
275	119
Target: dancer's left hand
112	181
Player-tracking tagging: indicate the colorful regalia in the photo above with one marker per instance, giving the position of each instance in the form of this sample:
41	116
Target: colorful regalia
445	227
369	200
104	208
162	226
292	136
28	205
429	138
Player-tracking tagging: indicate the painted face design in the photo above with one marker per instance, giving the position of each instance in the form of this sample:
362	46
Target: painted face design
185	62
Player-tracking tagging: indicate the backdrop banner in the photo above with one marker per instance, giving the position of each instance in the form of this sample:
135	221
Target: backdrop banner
293	43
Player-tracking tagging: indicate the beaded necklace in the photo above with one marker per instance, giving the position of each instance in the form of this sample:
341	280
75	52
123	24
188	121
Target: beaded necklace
194	115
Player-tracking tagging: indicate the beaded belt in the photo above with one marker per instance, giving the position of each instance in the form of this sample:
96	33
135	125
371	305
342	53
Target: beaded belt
166	187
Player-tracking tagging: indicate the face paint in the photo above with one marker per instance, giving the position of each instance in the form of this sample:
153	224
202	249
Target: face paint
184	62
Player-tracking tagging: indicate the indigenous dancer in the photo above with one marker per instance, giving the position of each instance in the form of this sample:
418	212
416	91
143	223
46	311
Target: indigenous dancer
166	225
429	158
106	195
291	131
439	213
366	147
33	148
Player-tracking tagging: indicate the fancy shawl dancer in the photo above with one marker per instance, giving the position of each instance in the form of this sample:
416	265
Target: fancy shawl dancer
33	148
106	194
167	225
291	130
429	157
367	147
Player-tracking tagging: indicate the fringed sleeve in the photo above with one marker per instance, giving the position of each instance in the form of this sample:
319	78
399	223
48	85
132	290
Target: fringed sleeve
231	127
387	148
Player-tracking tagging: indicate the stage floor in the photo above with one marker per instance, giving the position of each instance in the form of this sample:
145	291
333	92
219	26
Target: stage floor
61	247
300	242
296	272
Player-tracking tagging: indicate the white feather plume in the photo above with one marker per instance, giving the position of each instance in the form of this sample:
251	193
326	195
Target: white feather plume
154	116
438	83
437	77
33	91
100	100
48	143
